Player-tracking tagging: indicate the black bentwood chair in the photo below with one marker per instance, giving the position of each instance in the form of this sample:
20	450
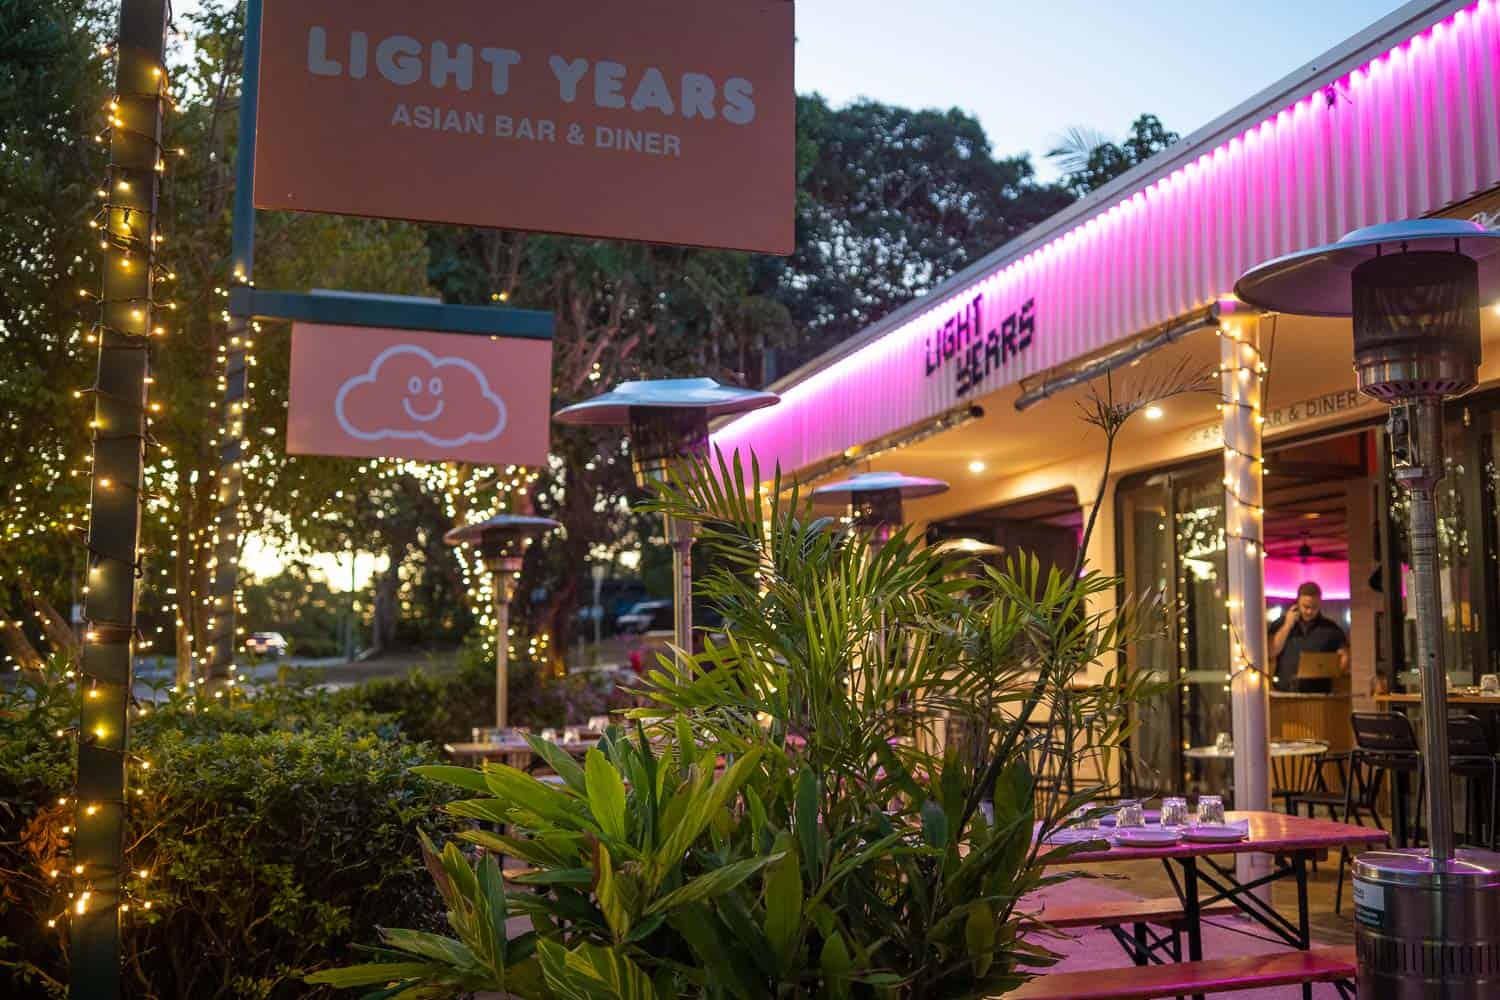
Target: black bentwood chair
1472	758
1384	743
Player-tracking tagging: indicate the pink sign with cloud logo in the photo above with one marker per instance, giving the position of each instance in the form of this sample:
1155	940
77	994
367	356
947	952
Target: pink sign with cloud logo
364	392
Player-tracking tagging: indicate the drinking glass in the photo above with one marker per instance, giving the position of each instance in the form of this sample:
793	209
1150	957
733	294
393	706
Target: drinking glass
1210	810
1084	818
1130	814
598	723
1224	743
1174	811
549	734
570	735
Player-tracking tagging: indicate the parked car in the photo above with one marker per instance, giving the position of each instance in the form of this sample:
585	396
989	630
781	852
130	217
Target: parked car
272	644
654	630
648	630
646	616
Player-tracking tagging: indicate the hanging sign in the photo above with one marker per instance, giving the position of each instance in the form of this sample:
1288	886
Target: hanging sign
665	121
366	392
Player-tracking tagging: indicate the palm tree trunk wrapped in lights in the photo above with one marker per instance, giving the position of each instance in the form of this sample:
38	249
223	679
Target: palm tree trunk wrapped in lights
127	224
668	424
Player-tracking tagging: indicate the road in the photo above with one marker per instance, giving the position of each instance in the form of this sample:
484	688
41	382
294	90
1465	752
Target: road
153	673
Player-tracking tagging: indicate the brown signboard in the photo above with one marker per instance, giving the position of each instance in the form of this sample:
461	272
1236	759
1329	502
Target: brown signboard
667	121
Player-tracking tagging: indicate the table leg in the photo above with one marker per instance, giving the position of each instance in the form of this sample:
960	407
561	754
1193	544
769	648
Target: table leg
1304	930
1193	912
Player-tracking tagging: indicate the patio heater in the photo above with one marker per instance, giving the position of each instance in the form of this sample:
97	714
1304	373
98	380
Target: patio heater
668	424
502	542
874	500
971	547
1427	921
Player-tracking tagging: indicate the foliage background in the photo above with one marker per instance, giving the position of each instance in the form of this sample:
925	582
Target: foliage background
276	831
891	202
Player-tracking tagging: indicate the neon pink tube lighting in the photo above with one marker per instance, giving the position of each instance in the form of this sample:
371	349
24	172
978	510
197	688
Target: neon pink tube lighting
1411	131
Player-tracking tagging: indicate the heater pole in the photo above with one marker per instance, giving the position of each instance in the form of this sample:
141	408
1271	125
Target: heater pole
1422	422
681	534
504	588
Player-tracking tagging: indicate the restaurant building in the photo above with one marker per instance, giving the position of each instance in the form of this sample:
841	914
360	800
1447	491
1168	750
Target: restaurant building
979	382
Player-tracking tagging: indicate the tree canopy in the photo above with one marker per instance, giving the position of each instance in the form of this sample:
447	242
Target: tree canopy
1090	160
891	202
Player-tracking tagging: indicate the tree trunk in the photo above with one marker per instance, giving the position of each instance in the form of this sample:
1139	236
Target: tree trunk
387	611
59	633
15	643
187	610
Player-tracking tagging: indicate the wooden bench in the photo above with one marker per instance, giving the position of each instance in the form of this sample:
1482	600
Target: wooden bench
1217	975
1112	913
1130	921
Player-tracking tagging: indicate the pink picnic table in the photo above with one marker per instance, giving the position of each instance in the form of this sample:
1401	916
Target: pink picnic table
1292	841
508	750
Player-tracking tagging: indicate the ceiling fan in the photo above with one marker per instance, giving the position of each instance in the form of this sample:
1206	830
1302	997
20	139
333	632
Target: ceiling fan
1305	551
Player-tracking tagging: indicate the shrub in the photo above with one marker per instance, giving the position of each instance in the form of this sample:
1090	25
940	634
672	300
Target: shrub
275	834
436	708
844	851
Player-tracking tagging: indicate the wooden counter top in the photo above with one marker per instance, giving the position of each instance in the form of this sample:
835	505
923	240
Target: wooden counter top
1488	700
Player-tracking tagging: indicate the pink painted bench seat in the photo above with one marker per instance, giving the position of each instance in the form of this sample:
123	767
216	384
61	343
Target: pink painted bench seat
1118	912
1218	975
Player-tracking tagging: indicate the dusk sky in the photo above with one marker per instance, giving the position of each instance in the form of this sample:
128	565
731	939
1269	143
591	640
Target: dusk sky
1028	70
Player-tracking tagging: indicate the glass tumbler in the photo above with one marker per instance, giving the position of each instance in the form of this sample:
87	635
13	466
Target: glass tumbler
1174	812
1084	818
1210	810
1130	814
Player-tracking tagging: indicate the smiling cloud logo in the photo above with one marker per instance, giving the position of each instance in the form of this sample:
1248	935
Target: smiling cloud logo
411	394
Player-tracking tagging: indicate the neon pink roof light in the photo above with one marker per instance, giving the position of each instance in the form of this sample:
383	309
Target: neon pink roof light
1407	133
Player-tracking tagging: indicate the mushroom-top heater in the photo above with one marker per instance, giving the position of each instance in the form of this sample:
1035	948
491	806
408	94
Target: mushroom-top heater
875	500
1427	922
668	421
502	542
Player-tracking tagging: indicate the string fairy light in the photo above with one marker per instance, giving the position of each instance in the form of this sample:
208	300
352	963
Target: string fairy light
1241	390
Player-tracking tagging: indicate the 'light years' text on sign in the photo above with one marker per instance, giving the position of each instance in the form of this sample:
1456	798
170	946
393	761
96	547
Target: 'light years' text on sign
647	120
405	61
977	350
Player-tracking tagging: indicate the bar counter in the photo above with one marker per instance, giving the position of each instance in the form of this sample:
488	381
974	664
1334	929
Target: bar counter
1300	716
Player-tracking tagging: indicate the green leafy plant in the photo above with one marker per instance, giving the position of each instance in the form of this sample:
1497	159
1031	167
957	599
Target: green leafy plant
850	848
275	830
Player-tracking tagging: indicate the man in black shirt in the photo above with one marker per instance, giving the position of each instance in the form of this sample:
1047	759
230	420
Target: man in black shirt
1303	629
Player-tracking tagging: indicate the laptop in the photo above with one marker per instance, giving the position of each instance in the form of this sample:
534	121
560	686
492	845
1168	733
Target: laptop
1318	666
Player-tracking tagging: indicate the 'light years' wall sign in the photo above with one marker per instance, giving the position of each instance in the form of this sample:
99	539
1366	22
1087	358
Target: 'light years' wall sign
652	120
978	350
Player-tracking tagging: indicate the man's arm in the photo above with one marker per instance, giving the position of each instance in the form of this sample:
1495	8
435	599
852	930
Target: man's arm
1281	635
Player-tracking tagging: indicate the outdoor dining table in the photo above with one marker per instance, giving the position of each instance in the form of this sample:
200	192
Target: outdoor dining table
1294	763
1292	840
505	750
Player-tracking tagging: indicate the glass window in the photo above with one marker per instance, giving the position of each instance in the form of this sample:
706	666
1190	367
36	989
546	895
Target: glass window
1203	637
1145	528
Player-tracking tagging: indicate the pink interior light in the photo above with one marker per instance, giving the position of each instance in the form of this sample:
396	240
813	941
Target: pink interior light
1284	576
